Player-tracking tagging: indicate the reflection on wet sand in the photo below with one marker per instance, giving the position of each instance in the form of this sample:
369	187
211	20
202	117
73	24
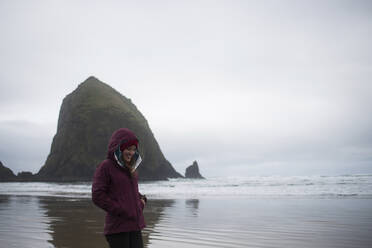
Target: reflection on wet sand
154	212
74	222
23	222
46	222
193	206
30	221
78	223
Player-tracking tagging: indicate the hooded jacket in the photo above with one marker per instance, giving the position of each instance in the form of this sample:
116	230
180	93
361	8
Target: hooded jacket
115	190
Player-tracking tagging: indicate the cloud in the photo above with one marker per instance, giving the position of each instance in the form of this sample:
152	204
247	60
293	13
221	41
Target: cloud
242	86
25	145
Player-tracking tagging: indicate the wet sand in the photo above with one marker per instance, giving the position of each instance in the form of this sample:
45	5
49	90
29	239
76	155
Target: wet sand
31	221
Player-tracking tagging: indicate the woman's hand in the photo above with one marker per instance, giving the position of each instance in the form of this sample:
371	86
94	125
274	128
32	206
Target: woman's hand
143	199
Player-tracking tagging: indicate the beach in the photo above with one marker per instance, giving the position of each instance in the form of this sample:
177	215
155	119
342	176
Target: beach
46	221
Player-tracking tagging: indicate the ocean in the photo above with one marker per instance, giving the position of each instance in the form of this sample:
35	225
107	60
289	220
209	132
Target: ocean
350	186
260	211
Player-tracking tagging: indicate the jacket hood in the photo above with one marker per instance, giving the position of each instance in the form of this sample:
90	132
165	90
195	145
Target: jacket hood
119	137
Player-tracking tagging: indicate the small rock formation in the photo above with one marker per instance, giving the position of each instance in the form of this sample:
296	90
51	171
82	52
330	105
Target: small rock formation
193	171
88	117
25	176
6	174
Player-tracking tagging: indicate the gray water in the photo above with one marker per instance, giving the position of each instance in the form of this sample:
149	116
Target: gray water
40	221
244	187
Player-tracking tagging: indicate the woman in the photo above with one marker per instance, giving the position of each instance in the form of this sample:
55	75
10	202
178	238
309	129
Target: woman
115	190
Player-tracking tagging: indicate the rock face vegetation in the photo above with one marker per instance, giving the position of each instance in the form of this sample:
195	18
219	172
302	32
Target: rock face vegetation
87	118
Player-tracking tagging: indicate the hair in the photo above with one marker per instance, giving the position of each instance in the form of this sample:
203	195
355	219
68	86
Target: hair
130	166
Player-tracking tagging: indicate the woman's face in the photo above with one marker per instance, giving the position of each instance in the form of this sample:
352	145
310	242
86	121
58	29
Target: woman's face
128	153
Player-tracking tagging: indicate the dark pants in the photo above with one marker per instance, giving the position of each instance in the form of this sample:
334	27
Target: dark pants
125	240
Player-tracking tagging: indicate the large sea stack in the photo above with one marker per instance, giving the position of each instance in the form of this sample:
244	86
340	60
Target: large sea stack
88	117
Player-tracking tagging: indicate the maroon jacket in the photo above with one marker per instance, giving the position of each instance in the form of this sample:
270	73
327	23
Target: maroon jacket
115	190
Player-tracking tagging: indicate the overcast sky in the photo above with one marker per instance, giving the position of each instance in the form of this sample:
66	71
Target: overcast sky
243	87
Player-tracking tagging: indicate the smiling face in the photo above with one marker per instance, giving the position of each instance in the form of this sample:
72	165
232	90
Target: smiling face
128	154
